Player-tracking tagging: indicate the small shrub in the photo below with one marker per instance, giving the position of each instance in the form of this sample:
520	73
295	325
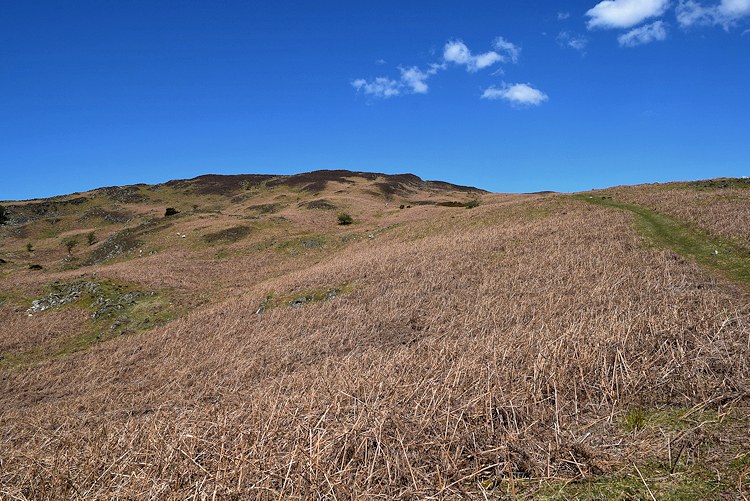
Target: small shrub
3	217
402	206
30	247
171	211
472	204
69	243
91	238
35	267
345	218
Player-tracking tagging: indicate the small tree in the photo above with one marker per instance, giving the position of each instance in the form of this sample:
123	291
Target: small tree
91	238
3	217
345	218
70	243
29	247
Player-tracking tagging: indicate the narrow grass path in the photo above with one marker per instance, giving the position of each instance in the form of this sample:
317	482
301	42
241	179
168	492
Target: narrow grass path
708	250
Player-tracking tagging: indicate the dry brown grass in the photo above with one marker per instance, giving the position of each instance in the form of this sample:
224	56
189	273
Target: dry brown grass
21	331
500	343
723	212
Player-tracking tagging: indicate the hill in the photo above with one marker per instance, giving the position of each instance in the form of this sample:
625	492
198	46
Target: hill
446	343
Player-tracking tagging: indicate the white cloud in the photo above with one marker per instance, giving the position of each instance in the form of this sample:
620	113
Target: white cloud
573	41
414	78
457	52
624	13
734	8
412	81
689	12
562	16
645	34
518	94
512	50
485	60
725	13
380	87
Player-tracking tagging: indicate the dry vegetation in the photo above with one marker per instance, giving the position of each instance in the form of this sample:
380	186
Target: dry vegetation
721	207
530	347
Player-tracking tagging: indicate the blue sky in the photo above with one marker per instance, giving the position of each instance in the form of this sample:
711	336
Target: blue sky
510	96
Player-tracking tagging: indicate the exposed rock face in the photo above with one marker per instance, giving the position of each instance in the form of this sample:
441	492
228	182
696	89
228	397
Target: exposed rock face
108	216
124	194
18	214
124	241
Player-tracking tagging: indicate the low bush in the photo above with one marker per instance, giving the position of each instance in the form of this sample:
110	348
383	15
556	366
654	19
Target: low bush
345	218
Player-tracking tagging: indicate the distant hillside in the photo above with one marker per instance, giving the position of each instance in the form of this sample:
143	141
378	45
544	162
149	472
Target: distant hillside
341	334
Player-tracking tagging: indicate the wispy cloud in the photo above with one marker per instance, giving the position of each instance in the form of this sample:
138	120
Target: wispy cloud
519	94
726	13
381	87
572	41
414	80
653	32
624	13
562	16
509	49
457	52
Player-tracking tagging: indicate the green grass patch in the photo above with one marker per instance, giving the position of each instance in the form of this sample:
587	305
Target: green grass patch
115	309
669	419
302	244
301	298
640	483
713	252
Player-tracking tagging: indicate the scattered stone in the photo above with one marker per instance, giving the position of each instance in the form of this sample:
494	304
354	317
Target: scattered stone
62	295
105	303
299	302
124	194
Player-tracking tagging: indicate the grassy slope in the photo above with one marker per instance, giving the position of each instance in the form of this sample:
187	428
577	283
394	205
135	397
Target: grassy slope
709	250
529	347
